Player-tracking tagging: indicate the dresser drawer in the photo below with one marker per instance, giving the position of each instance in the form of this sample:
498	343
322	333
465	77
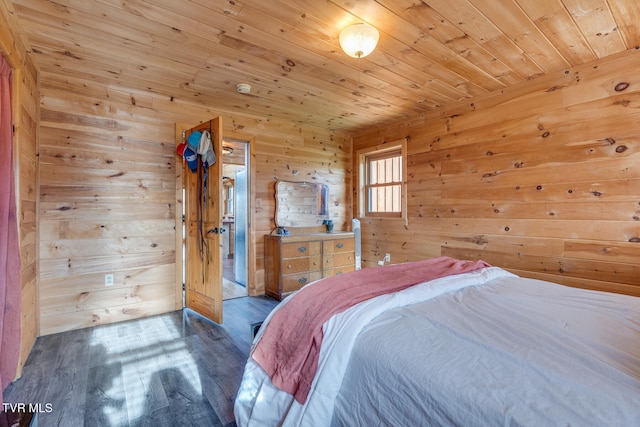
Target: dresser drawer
300	265
345	258
339	270
339	260
338	245
296	281
300	249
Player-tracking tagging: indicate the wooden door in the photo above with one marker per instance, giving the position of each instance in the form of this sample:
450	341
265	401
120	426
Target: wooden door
203	227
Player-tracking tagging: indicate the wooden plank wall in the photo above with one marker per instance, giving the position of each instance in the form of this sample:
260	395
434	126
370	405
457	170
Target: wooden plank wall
542	179
25	118
107	195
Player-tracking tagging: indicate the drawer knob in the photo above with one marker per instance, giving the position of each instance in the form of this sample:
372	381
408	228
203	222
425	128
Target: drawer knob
302	280
302	249
339	245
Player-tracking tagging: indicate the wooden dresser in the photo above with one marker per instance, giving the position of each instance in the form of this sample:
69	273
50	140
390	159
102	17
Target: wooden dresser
293	261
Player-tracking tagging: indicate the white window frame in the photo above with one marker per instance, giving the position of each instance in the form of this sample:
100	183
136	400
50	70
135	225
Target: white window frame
362	156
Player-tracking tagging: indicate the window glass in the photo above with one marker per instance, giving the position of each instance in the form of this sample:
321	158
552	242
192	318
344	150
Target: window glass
381	182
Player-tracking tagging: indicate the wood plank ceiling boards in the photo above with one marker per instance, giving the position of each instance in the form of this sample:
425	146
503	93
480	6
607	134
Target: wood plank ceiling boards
430	54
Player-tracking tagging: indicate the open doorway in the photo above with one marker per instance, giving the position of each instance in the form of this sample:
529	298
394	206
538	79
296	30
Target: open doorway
235	181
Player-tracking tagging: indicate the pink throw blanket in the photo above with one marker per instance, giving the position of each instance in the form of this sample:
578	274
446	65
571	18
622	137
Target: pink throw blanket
290	347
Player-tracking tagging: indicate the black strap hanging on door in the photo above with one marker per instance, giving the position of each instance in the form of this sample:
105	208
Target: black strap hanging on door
202	184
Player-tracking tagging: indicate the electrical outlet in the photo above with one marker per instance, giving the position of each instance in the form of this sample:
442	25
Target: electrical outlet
108	279
387	258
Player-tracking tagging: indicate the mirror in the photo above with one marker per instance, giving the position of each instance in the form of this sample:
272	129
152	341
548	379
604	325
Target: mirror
301	204
227	197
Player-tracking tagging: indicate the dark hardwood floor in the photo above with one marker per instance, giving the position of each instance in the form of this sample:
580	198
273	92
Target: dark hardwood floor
175	369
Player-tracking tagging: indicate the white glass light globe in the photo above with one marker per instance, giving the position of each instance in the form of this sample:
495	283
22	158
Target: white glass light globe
359	40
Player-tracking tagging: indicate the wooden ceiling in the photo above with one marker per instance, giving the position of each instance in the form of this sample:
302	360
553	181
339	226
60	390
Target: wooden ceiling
431	53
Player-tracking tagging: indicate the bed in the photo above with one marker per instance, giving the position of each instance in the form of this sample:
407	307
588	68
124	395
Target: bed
477	346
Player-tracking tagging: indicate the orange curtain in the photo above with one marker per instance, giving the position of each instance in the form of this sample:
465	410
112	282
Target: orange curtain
9	247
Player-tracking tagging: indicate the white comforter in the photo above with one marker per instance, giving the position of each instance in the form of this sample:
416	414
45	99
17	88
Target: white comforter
513	351
259	403
516	352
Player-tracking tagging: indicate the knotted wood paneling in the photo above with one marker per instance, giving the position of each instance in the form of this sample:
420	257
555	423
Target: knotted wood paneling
108	196
430	53
542	179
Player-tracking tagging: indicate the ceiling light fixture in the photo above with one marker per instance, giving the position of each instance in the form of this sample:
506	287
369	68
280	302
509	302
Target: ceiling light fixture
226	149
359	40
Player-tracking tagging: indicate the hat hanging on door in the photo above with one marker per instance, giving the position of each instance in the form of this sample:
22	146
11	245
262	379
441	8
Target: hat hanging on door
181	148
191	158
194	140
205	149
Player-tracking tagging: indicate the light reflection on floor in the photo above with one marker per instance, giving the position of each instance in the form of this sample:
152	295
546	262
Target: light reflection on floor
143	355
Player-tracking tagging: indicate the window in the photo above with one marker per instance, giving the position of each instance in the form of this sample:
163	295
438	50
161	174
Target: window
382	181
